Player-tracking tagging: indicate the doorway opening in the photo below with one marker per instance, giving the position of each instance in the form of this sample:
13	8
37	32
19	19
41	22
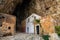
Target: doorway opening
37	29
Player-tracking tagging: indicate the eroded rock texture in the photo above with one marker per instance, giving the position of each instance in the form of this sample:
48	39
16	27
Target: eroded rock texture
40	7
43	8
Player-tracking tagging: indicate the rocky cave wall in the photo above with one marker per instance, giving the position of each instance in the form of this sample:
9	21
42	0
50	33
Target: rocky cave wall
41	7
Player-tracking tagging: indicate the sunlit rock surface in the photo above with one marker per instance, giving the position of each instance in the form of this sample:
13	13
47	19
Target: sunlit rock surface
54	36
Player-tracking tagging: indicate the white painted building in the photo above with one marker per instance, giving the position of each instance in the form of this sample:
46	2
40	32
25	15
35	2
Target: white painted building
30	27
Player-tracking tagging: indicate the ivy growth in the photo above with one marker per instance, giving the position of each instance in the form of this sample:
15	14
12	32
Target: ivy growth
37	21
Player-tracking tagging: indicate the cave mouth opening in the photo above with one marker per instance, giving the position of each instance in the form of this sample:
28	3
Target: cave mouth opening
20	14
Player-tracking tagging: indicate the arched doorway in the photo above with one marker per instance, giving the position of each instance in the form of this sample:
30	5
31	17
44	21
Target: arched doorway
37	29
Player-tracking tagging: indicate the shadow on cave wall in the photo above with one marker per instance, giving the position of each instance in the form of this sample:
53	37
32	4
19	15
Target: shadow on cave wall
19	12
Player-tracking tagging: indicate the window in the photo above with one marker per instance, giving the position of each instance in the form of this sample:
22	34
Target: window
3	17
9	27
34	17
1	20
0	24
28	19
27	29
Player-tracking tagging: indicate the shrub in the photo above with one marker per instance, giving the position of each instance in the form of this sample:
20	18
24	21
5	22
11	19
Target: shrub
46	37
57	28
37	21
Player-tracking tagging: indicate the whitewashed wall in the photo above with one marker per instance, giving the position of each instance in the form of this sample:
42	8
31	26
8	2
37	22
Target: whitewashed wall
30	23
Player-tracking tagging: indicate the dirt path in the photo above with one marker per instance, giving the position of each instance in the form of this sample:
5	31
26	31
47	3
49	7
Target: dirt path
22	36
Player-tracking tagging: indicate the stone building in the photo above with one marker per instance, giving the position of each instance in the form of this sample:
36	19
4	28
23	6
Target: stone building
29	26
7	24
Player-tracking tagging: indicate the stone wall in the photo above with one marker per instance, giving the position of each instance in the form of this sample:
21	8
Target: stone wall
8	24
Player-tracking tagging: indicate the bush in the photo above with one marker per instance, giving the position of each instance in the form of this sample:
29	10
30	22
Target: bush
46	37
37	21
57	28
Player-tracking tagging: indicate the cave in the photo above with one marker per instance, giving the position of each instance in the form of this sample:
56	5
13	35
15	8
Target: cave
27	7
20	14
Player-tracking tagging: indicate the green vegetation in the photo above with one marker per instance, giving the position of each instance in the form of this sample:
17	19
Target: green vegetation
57	28
46	37
37	21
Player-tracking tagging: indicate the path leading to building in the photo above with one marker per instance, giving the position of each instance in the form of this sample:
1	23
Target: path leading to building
22	36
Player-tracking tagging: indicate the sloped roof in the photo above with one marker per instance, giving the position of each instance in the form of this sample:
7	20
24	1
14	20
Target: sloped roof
33	14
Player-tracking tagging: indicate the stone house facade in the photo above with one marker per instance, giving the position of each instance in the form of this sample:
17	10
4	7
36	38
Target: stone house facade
7	24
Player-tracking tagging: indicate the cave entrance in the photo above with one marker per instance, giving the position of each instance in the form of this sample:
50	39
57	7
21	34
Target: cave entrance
20	14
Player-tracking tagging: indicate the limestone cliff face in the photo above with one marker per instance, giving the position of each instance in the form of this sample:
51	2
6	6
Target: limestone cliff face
27	7
40	7
44	7
8	6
